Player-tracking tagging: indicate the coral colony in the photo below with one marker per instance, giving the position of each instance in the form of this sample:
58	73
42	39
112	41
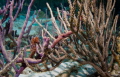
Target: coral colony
87	35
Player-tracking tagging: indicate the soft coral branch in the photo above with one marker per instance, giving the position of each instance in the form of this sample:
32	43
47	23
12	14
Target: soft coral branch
24	26
60	37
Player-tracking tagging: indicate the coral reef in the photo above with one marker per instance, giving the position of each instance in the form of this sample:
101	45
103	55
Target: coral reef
86	34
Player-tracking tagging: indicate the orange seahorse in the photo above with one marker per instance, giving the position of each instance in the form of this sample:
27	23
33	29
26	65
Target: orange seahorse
34	41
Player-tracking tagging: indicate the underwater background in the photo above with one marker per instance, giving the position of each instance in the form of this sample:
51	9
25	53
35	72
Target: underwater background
62	4
44	18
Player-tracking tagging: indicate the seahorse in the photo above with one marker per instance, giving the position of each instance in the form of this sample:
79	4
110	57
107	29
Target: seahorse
34	41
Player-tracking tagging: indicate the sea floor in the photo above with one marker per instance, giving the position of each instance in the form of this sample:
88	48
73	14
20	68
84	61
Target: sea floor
76	71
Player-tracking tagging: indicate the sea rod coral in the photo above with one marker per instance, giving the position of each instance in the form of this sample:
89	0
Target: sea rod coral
87	36
89	33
